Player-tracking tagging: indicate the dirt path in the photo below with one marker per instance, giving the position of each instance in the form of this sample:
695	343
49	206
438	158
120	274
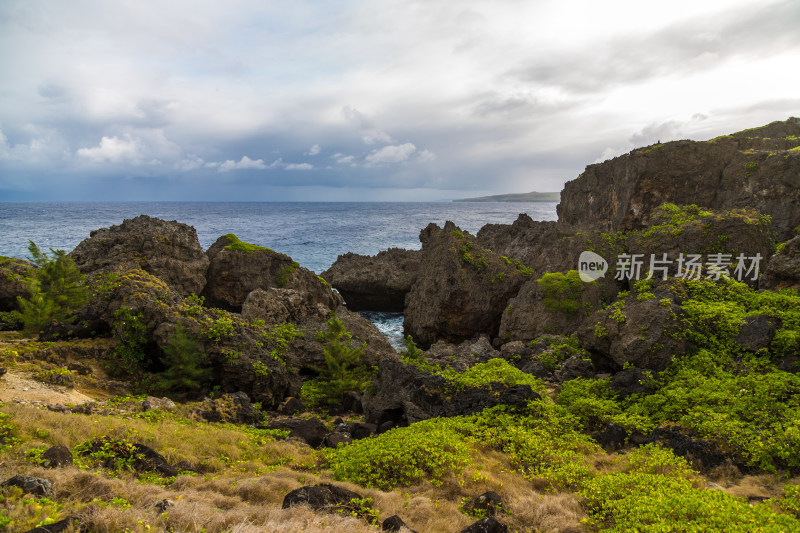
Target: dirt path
17	387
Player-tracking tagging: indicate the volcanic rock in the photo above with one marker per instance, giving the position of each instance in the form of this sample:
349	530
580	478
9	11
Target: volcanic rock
168	250
238	268
464	290
375	283
754	168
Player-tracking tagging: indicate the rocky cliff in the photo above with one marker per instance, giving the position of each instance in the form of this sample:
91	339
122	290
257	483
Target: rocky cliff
757	168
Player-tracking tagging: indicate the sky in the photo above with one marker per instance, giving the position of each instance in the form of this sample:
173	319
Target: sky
370	100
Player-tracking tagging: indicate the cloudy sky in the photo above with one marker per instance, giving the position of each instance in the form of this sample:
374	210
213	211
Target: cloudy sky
370	99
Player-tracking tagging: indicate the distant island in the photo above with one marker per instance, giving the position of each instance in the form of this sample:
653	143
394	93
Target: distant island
519	197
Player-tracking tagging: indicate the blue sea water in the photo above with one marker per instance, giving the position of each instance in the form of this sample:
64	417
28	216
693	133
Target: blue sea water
313	233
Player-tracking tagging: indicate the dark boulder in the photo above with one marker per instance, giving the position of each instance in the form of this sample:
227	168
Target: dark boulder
755	168
757	332
486	525
168	250
630	381
612	437
310	430
395	524
141	458
573	368
361	430
375	283
234	407
333	440
291	406
783	269
35	486
56	456
323	497
701	454
66	524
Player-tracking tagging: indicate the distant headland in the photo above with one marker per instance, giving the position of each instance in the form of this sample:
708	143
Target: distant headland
519	197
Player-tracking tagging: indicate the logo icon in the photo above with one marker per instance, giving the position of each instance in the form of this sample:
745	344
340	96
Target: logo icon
591	266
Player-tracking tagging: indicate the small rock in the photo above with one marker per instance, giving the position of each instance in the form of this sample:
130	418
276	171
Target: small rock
81	370
31	485
362	431
319	497
163	505
487	525
336	438
57	456
291	406
386	426
310	430
351	402
151	403
488	503
395	523
56	527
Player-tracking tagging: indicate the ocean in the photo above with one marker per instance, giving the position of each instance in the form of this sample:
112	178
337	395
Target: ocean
313	233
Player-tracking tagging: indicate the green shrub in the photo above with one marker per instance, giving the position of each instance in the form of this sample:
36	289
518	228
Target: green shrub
184	362
400	457
344	366
494	370
562	292
57	290
237	245
128	355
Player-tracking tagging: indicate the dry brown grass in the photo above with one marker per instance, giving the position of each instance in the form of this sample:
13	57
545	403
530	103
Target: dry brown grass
245	482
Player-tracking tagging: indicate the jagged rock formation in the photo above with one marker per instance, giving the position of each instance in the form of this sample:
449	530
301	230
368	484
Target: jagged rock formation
464	290
757	168
167	250
533	313
644	333
404	394
13	272
375	283
237	268
783	269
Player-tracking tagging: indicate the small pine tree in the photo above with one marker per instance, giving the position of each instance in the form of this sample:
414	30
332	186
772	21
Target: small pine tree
344	366
184	361
57	290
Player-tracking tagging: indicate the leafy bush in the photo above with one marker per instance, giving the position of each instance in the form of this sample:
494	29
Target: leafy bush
428	450
128	355
494	370
562	292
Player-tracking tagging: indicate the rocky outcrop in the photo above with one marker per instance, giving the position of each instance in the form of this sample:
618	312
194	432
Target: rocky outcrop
404	394
464	290
755	168
641	332
375	283
555	304
238	268
168	250
783	269
277	306
13	274
691	230
540	246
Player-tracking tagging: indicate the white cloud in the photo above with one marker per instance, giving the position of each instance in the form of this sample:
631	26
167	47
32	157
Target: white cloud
391	154
244	163
426	155
343	159
114	150
298	166
191	162
314	150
